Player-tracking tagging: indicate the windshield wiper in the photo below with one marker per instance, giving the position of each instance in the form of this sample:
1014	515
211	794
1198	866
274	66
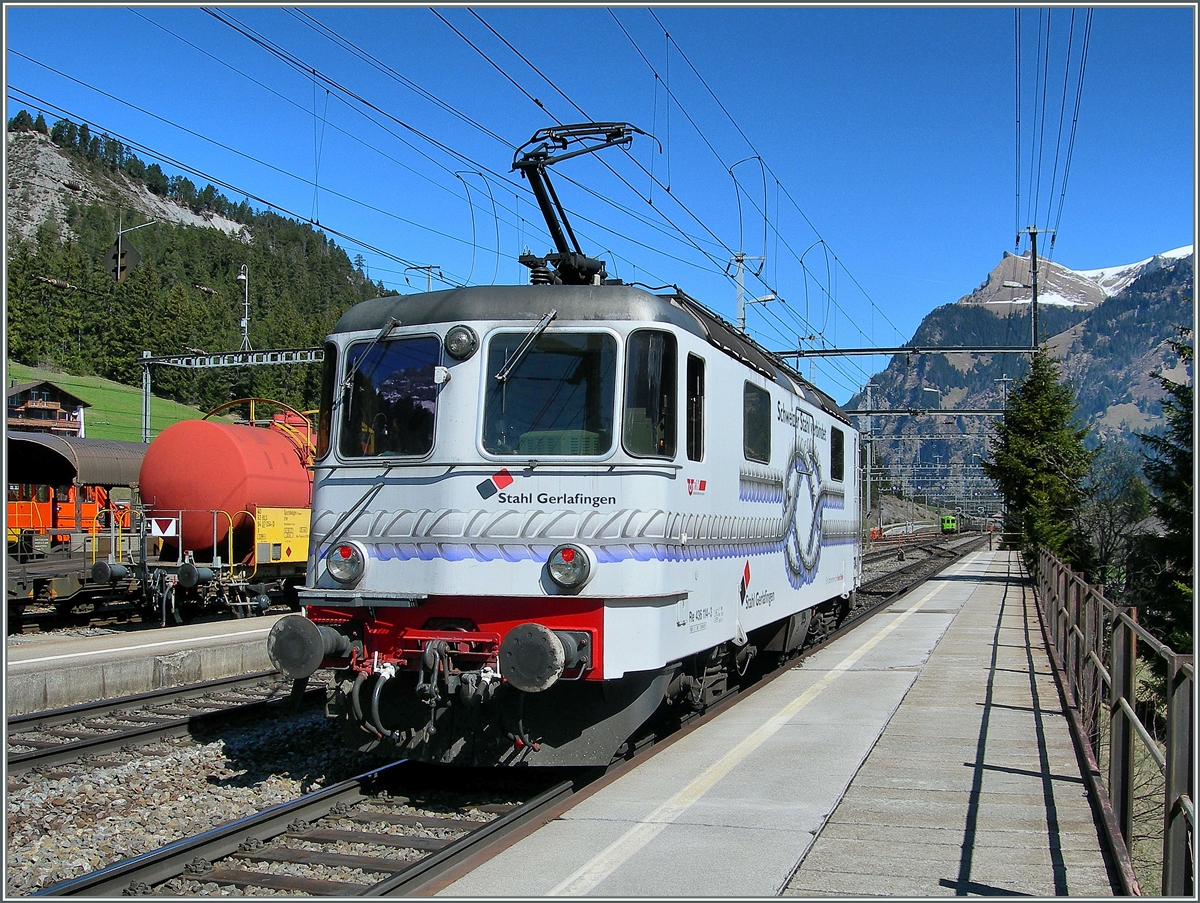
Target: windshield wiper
391	324
524	347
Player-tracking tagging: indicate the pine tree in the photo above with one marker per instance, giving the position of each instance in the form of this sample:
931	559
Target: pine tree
1165	594
1039	461
22	122
1113	516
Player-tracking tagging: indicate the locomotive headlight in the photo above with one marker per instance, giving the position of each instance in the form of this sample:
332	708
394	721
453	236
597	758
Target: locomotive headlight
461	342
346	562
570	566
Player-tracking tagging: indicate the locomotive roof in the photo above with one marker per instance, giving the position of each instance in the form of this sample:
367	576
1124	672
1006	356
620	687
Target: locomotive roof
581	303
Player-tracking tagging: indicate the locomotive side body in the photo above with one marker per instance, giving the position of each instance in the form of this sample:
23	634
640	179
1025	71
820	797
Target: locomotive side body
542	512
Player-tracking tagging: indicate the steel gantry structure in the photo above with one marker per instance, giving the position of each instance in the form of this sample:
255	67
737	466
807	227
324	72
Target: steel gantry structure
203	360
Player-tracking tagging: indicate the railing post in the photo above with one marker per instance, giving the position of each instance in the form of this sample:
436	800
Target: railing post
1087	699
1072	636
1062	588
1120	774
1177	865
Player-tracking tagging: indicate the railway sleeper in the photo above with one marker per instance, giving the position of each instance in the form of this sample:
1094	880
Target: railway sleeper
312	886
374	864
345	835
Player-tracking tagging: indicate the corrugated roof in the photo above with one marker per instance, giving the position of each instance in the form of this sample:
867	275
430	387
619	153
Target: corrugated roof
61	460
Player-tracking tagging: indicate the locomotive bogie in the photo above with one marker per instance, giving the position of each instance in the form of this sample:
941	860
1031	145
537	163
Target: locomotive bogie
599	489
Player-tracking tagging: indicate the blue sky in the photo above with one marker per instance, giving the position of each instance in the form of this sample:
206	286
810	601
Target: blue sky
887	135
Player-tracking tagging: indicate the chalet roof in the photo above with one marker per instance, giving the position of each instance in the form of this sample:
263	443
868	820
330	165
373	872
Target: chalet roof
24	387
61	460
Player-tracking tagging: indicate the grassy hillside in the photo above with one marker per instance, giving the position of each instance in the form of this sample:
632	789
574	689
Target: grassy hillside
116	409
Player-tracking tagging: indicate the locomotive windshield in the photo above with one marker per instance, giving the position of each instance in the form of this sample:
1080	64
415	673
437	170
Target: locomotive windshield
391	400
557	400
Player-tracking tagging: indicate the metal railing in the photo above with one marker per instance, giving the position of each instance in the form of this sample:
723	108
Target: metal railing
1130	702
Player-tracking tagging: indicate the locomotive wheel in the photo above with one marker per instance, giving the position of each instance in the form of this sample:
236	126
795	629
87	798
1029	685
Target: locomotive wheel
824	623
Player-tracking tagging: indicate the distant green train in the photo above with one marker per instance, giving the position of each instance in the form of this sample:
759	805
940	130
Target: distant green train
949	523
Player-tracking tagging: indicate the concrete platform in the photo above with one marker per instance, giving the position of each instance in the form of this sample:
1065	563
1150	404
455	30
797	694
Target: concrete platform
52	672
924	754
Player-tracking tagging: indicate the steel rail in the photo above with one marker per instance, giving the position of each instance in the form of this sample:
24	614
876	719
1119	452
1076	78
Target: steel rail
49	717
134	874
169	726
477	845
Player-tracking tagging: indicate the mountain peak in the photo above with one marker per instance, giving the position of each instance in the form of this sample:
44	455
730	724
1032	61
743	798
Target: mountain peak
1058	285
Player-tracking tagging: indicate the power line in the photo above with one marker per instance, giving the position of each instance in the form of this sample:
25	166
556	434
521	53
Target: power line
53	109
687	238
307	70
232	150
751	145
1087	36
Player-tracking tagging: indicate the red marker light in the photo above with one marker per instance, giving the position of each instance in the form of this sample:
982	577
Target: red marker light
569	566
345	551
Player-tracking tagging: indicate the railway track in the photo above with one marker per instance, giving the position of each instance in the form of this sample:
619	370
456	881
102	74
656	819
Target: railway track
50	738
387	832
383	832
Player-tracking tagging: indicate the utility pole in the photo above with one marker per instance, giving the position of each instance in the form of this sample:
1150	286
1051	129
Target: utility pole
1033	232
1004	381
870	444
428	270
244	278
739	259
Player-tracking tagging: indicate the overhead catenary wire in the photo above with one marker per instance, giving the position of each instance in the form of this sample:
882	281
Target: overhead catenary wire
1017	154
304	68
745	137
1087	36
228	148
681	233
55	110
1038	148
280	52
348	134
710	251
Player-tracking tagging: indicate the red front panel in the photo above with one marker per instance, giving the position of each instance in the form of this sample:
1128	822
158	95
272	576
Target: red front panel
395	633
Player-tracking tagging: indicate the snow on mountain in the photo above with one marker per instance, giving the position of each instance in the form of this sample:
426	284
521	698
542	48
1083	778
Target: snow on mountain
1010	284
1113	279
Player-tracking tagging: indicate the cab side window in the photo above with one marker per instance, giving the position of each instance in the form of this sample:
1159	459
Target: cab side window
756	423
695	408
837	454
650	394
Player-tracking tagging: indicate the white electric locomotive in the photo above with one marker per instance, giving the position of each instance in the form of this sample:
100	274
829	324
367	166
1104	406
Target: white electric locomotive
540	513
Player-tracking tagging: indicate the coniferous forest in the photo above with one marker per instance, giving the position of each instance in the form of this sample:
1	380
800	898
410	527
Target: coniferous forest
184	294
